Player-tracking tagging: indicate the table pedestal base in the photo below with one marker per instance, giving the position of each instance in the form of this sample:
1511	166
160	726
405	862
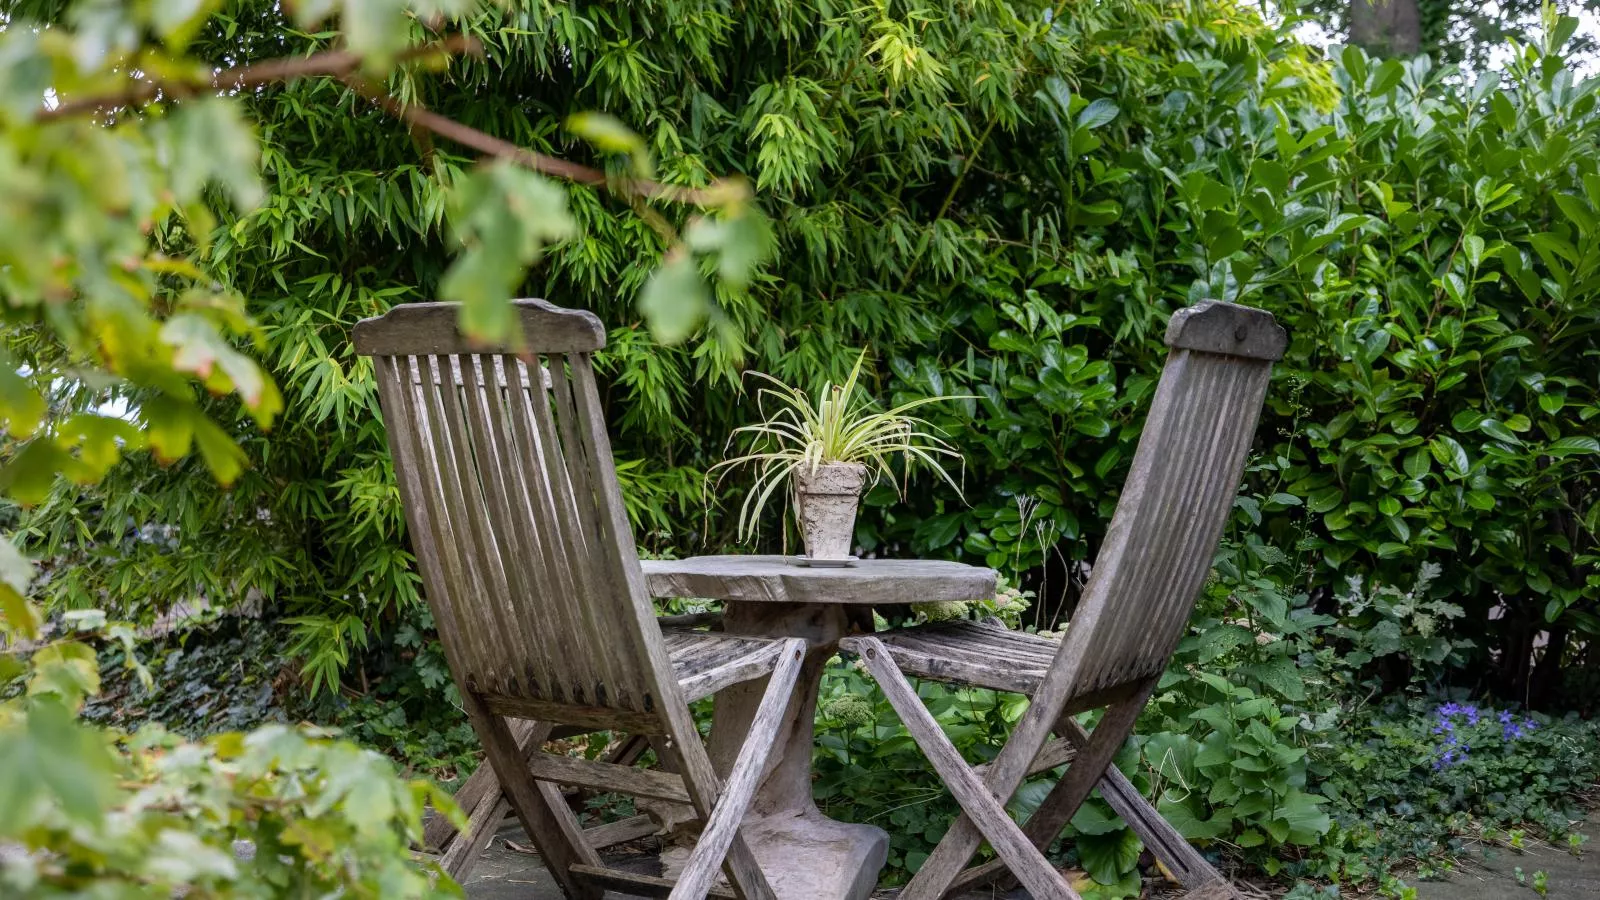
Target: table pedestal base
807	855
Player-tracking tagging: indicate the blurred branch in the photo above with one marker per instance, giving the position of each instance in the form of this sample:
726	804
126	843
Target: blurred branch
337	63
421	118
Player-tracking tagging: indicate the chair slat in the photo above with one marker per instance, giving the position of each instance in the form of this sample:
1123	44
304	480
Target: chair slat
433	544
507	475
548	495
517	517
1156	555
1159	547
504	496
460	578
464	493
598	635
621	573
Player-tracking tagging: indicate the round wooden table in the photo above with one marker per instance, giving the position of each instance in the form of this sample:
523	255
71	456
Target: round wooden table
806	855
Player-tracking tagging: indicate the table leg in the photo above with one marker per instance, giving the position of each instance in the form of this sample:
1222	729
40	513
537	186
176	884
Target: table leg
806	855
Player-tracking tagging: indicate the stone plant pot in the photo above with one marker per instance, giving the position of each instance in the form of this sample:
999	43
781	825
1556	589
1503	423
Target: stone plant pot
825	503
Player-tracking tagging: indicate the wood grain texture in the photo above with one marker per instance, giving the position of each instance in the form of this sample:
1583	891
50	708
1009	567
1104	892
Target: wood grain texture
415	329
740	788
1159	545
551	826
1058	752
984	809
604	776
775	579
519	527
706	663
633	884
1213	326
974	653
461	854
1140	594
1093	761
621	831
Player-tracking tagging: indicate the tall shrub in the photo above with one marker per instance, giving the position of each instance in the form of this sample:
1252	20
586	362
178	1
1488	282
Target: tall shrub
999	199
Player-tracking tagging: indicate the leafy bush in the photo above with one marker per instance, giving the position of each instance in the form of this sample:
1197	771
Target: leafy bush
1001	202
275	812
199	680
1414	775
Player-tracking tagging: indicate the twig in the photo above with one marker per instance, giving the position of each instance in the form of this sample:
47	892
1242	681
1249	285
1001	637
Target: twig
419	117
272	71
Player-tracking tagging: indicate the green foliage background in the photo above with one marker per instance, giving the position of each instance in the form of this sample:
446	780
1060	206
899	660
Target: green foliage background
999	198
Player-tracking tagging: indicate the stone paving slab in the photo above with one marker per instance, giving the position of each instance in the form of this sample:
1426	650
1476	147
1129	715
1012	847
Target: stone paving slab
1489	873
1485	874
506	874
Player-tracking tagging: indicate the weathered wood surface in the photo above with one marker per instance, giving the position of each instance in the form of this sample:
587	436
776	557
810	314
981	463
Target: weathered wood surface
707	663
520	531
775	579
502	364
740	787
633	884
1133	611
973	653
604	776
1227	329
414	329
983	809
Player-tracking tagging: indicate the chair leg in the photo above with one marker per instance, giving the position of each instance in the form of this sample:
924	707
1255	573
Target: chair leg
464	847
986	812
722	827
1171	848
1093	760
439	833
551	826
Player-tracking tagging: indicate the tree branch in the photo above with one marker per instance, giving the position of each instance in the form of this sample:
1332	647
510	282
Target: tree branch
338	63
345	65
418	117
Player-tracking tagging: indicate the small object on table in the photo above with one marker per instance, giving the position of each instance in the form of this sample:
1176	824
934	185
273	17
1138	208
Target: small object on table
805	561
805	855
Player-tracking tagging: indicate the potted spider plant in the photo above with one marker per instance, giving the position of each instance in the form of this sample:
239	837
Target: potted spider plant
827	451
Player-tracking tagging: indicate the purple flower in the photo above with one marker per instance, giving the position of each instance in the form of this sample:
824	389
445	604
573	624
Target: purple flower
1511	729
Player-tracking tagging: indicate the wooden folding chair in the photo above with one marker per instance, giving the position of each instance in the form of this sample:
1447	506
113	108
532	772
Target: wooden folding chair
518	525
1133	611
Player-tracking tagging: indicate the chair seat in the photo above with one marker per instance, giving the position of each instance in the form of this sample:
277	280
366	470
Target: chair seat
981	654
706	662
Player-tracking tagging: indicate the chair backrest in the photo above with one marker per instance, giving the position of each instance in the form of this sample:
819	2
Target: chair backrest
1175	502
511	496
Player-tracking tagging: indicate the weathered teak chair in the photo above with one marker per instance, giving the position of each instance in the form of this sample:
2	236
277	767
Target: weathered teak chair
529	565
1133	611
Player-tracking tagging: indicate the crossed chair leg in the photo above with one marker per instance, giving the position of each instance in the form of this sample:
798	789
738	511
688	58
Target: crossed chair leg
981	794
484	802
528	779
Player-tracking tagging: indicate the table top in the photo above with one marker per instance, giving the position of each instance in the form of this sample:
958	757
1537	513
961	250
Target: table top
777	579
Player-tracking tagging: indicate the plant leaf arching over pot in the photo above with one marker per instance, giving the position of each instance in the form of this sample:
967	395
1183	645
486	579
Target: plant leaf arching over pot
831	449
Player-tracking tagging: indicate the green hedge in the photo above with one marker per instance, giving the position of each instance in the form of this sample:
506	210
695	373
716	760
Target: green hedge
1004	199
